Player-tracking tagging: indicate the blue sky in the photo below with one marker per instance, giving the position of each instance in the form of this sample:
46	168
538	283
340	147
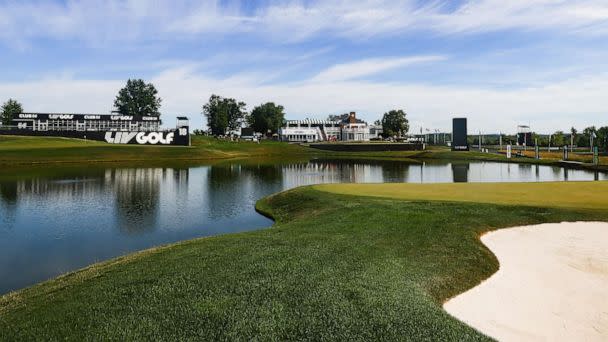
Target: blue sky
501	63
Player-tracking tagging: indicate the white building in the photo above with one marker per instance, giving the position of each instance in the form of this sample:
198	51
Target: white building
310	130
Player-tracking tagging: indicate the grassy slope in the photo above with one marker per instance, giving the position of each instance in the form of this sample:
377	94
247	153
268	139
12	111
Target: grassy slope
48	150
333	267
27	150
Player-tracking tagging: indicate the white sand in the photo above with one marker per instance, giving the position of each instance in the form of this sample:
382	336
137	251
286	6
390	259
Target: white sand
552	285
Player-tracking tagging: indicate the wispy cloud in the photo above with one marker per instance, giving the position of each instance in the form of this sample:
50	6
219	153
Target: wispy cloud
98	22
367	67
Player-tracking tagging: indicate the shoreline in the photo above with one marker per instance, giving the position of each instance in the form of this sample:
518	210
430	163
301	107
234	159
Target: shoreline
350	267
551	284
40	151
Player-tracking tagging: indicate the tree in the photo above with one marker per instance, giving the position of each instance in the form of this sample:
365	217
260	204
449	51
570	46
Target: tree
573	133
602	138
223	114
337	117
558	139
10	109
138	98
395	122
585	138
266	117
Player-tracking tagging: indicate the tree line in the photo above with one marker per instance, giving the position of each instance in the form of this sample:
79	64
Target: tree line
225	115
136	98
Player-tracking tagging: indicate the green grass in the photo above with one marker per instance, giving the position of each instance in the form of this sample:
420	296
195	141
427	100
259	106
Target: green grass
333	267
43	150
577	195
49	150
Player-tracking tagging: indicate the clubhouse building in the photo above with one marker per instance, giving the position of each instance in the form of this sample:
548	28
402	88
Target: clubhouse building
310	130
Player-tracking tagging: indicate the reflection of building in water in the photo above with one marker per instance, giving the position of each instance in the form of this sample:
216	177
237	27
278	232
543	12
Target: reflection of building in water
137	194
460	172
325	171
57	188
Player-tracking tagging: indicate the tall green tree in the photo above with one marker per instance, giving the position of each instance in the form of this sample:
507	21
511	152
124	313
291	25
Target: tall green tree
584	139
602	138
10	109
223	114
394	123
267	117
558	139
573	134
337	117
138	98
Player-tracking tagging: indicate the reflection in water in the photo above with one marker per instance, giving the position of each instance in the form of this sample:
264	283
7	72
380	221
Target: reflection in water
56	221
137	193
460	172
8	192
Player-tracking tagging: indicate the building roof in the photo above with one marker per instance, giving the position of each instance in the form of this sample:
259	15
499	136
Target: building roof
312	121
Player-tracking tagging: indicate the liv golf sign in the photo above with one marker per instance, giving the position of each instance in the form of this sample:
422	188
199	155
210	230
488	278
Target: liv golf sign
140	138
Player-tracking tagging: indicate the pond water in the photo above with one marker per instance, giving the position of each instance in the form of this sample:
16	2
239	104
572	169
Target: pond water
55	220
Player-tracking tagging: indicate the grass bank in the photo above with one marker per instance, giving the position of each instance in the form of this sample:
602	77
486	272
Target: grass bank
334	266
47	150
51	150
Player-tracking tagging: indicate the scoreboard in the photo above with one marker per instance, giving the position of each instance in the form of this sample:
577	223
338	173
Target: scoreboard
459	135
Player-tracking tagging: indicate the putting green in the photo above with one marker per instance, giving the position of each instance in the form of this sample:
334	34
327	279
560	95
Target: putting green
579	195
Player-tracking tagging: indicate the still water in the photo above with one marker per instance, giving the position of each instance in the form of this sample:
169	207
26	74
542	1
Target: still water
57	220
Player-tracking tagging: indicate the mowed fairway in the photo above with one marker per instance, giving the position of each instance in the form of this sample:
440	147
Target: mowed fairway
333	267
580	195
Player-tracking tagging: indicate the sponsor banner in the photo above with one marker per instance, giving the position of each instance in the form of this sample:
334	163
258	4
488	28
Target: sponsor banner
28	116
61	116
179	136
121	117
140	138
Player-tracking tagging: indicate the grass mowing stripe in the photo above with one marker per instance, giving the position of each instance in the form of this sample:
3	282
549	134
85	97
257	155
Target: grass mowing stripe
579	195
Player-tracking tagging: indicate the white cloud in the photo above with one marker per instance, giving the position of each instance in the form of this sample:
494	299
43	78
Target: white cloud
99	22
353	70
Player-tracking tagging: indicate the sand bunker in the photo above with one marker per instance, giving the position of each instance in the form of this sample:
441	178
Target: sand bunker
552	285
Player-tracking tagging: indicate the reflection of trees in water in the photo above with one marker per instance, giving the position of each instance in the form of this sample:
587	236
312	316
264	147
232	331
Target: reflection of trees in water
395	172
137	193
8	205
8	192
460	172
225	188
233	187
272	173
557	172
525	171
